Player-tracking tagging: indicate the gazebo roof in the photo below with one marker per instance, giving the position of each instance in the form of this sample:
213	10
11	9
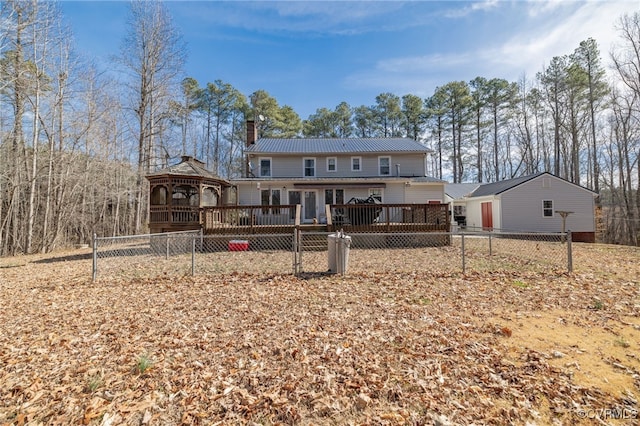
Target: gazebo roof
190	167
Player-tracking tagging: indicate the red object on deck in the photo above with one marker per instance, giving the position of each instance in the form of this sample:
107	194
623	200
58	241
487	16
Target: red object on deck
238	245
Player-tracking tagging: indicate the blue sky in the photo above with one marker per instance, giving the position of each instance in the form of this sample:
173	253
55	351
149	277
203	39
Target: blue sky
317	54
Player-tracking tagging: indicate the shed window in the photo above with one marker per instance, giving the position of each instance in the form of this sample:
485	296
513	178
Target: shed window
547	208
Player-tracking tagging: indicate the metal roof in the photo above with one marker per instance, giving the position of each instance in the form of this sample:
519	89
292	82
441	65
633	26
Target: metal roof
504	185
336	146
459	190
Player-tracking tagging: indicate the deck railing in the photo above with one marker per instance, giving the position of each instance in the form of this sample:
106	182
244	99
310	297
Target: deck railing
277	219
389	217
179	215
249	218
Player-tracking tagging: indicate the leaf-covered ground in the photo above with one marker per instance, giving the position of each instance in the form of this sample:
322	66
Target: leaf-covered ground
402	347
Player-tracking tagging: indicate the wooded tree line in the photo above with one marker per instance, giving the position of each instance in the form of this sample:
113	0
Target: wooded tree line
76	143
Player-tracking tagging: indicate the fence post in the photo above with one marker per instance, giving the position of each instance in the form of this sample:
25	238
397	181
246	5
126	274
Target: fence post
94	265
464	269
166	246
569	252
193	256
295	251
490	247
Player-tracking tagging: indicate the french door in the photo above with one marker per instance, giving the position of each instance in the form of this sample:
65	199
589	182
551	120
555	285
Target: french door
308	201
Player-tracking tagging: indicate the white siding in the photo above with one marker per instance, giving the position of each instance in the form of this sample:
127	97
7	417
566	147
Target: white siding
422	194
292	166
522	206
394	193
474	212
248	193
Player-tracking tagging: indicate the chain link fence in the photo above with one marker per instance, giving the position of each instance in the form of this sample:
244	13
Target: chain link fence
300	251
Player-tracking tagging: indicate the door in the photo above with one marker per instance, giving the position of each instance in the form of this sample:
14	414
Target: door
487	216
294	198
309	206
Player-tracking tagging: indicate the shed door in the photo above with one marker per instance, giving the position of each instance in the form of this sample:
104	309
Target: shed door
487	216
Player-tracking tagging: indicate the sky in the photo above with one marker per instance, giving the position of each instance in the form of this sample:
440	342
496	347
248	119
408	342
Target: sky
316	54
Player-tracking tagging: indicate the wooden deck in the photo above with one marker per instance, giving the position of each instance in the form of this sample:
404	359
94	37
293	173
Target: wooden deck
258	219
353	218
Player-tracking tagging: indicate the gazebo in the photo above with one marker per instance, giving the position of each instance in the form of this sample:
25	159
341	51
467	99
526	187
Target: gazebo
179	193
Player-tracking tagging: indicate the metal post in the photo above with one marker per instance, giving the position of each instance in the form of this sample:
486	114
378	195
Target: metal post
490	247
294	249
193	256
166	246
94	266
464	268
300	249
569	252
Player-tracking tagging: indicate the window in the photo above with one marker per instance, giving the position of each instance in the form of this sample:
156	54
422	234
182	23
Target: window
547	208
384	166
356	164
275	200
334	196
332	164
265	167
309	167
376	193
270	197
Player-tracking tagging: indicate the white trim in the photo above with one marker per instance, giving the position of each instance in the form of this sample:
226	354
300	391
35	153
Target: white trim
304	167
375	191
260	159
335	164
381	157
359	164
547	208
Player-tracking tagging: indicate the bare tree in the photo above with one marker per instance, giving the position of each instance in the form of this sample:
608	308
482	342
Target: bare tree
153	54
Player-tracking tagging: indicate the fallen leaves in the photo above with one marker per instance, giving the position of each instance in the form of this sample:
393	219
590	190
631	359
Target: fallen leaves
387	348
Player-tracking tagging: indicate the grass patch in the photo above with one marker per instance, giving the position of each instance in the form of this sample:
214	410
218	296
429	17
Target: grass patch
520	284
143	364
621	342
94	382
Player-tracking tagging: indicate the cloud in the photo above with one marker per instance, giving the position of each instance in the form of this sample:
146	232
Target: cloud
309	17
556	29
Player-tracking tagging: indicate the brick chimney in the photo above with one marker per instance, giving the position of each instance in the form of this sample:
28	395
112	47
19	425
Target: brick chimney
252	132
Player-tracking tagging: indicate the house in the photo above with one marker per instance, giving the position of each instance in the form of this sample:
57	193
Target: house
314	172
540	202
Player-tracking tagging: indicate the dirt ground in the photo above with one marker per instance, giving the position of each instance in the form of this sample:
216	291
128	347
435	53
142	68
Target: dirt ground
409	346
